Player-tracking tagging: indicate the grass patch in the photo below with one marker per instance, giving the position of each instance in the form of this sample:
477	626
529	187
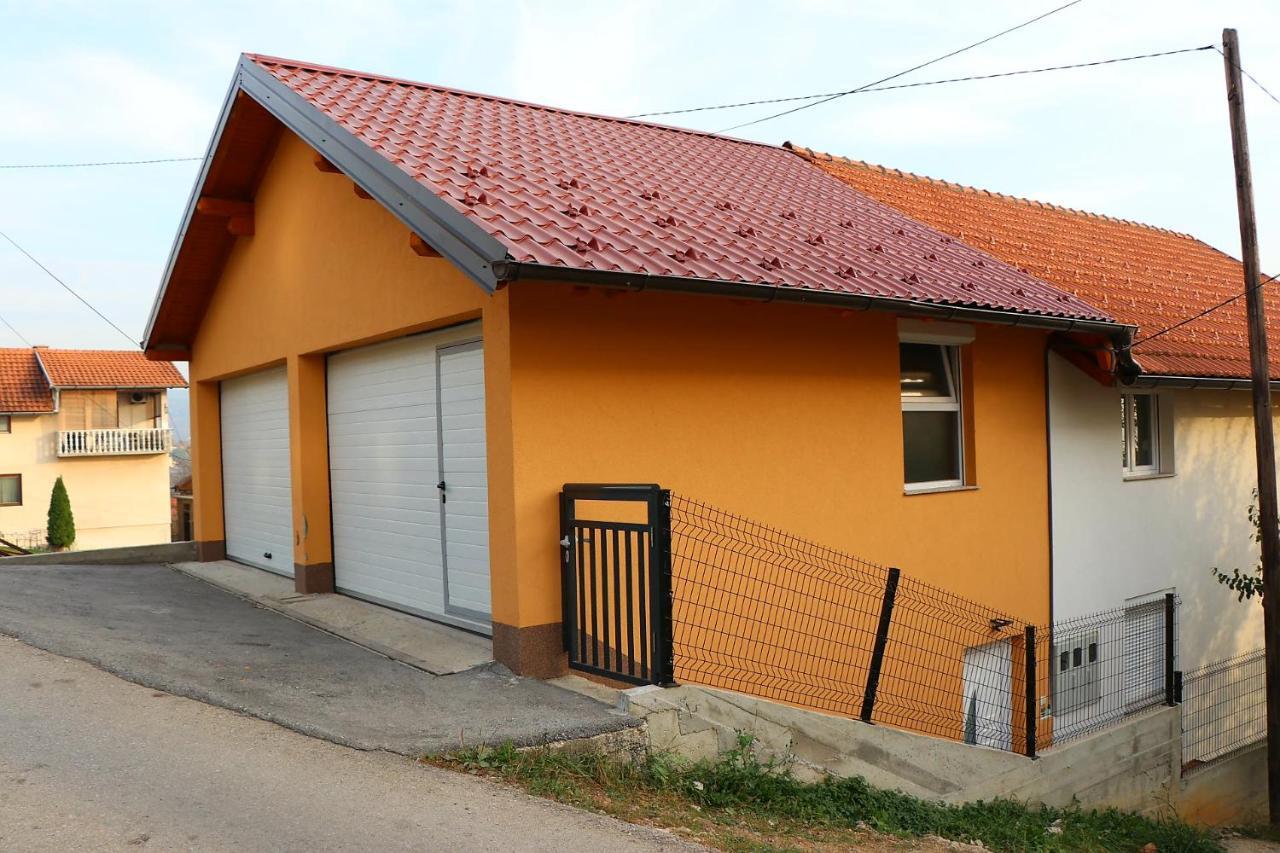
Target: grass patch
740	803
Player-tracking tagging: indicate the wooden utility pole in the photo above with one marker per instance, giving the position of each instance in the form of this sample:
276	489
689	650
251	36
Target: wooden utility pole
1264	439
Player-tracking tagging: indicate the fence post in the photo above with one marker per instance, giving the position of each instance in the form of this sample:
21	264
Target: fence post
1170	613
877	651
568	580
663	634
1032	705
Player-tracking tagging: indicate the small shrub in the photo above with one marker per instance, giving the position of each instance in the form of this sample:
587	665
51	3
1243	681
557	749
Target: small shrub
62	524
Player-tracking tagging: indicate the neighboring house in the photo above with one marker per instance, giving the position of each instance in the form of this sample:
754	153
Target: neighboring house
413	313
99	420
182	512
1151	481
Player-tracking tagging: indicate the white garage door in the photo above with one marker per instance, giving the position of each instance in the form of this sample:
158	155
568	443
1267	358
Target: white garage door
256	490
407	475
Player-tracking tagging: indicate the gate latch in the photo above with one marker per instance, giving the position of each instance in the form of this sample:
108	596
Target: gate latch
565	542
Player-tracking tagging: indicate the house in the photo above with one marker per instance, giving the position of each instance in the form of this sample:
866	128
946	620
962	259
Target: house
1155	518
413	313
99	420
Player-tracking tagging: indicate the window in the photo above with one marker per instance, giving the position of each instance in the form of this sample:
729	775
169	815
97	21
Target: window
932	426
10	490
1146	435
6	423
1075	672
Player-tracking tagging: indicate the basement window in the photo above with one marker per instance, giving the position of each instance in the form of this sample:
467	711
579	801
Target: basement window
932	421
10	490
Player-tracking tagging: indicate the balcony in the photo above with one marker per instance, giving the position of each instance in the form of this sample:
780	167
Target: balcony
113	442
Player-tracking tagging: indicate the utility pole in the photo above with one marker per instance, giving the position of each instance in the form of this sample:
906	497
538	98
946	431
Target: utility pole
1264	439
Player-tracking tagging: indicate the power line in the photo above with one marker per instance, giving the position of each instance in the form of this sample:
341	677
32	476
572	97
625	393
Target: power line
98	163
966	79
933	61
1255	80
1223	304
68	288
15	331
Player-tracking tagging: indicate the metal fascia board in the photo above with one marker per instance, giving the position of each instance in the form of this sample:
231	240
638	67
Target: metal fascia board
773	293
459	240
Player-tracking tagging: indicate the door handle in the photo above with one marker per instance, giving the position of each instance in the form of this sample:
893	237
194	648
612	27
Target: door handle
443	497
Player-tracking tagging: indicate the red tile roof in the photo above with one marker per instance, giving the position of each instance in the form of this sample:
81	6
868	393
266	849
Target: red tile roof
22	384
69	368
587	192
25	387
1142	275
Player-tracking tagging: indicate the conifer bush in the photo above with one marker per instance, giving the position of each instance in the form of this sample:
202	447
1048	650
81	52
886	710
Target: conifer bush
62	524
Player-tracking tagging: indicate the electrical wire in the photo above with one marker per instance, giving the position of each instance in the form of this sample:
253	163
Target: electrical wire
971	77
68	288
1255	80
15	331
1223	304
933	61
98	163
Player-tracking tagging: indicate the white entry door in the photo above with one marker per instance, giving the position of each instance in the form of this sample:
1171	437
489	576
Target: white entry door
256	487
988	694
408	481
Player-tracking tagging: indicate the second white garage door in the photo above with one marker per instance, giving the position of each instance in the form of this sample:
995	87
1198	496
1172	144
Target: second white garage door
407	475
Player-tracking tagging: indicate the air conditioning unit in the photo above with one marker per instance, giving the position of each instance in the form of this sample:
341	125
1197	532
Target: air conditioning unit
138	397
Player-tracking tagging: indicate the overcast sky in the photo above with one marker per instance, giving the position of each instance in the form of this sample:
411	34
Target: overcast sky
109	81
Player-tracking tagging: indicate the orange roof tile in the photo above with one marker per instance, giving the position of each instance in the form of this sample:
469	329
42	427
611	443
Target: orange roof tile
22	384
69	368
1139	274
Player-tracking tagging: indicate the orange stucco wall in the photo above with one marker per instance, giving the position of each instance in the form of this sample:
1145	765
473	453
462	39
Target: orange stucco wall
783	413
325	271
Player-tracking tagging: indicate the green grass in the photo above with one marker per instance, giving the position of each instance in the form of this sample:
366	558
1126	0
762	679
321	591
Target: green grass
741	803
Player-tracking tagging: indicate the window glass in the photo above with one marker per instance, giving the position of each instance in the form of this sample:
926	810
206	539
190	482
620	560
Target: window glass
1144	429
10	489
924	371
5	423
931	446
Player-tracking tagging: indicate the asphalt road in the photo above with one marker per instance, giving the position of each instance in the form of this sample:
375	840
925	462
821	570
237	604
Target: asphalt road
157	627
91	762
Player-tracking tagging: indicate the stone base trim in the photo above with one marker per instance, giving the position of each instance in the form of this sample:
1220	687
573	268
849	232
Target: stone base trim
209	552
316	578
536	651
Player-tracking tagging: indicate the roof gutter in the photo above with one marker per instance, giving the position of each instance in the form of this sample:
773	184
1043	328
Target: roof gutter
1119	334
1206	383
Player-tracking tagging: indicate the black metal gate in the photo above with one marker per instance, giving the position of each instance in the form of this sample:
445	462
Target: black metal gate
616	580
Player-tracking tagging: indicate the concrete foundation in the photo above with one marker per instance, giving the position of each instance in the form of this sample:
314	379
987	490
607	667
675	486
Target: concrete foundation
168	552
1134	766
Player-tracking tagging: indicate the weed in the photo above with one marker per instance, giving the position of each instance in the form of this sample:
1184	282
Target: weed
741	800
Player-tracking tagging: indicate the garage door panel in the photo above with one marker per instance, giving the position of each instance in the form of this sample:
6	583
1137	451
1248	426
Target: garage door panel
383	472
256	480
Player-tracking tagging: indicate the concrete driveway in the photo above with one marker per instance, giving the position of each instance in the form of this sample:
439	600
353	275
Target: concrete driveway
162	629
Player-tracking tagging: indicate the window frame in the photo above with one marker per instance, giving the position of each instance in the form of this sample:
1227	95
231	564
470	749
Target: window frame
953	402
6	424
17	477
1129	406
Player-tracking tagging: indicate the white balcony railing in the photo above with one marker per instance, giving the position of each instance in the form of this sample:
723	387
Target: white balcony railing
113	442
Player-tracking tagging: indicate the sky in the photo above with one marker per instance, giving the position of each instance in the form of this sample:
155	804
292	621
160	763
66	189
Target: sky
1147	140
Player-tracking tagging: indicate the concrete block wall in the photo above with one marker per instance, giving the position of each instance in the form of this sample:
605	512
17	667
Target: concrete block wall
1134	765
